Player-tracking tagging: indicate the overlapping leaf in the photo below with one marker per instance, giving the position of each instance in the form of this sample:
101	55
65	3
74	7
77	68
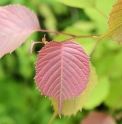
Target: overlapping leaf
72	106
115	23
16	24
62	71
95	99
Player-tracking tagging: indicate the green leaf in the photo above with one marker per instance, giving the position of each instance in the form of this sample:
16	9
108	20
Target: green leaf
114	99
100	15
50	21
72	106
99	94
79	3
107	5
56	6
3	2
7	120
18	2
115	23
92	13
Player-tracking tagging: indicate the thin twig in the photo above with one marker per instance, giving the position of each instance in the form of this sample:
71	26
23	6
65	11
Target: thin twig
32	45
72	35
87	36
56	32
41	42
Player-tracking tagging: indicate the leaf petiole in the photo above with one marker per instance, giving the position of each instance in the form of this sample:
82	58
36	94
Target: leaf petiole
42	42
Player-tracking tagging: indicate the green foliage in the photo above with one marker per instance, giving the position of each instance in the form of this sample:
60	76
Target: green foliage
18	103
114	31
115	95
3	2
21	102
79	3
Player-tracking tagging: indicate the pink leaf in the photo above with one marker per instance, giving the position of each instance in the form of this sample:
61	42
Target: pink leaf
98	118
17	23
62	70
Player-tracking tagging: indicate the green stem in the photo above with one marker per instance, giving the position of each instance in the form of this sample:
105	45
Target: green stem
53	117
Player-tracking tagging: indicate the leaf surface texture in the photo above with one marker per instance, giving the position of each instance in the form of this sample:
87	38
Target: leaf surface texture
17	23
72	106
62	70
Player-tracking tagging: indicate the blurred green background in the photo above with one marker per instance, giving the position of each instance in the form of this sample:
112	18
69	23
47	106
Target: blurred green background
22	103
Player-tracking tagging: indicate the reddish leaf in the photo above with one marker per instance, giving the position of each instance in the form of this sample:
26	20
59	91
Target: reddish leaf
98	118
62	70
16	24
